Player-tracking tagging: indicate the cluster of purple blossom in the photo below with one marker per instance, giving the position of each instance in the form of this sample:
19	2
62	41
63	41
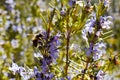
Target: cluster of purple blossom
47	58
23	72
99	50
50	55
100	75
43	75
99	47
10	4
51	47
106	22
95	27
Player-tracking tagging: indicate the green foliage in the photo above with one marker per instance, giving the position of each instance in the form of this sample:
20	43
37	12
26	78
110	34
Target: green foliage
34	18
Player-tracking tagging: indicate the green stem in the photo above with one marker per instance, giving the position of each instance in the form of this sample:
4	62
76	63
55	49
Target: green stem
94	38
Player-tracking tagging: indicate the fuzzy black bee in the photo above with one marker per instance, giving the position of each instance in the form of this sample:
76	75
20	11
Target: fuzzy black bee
36	40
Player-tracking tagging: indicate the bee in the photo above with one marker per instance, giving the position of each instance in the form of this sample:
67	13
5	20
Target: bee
36	40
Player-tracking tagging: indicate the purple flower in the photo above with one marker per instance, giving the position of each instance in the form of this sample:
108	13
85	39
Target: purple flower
99	50
10	4
36	70
100	75
44	66
38	74
84	34
62	12
14	68
24	73
71	2
48	76
89	27
68	78
53	47
107	3
48	59
89	51
106	22
42	76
